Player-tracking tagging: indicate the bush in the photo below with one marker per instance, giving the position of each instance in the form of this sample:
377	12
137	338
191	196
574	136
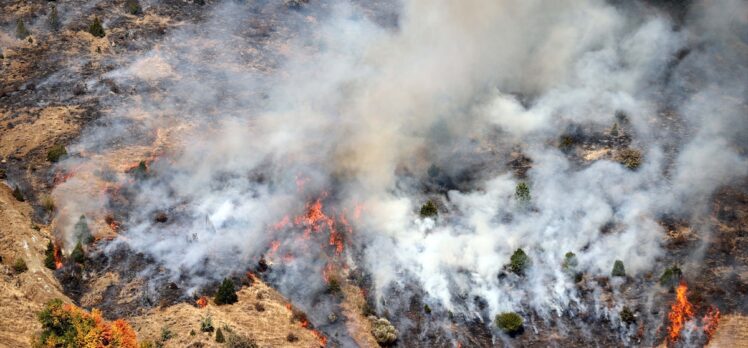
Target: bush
383	331
236	341
133	7
627	316
49	256
65	325
509	322
226	293
21	31
219	336
48	203
630	158
565	142
519	262
618	270
81	230
671	277
206	324
429	209
614	131
55	153
18	195
78	255
522	192
166	334
96	29
333	286
570	262
19	266
426	309
53	20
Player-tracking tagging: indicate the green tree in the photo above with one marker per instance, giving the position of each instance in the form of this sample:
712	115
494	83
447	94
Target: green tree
21	31
81	230
18	195
133	7
429	209
96	29
78	255
522	192
618	270
519	262
570	262
671	277
226	293
509	322
614	130
219	336
627	316
19	266
49	256
56	152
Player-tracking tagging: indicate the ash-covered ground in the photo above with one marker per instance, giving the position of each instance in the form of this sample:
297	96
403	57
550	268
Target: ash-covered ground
389	159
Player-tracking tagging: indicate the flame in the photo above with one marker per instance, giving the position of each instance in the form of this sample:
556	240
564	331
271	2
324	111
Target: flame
113	224
711	321
680	312
58	257
320	337
202	302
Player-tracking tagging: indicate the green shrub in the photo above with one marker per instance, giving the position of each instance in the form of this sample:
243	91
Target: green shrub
49	256
426	309
81	230
333	286
618	270
192	332
96	29
519	262
522	192
133	7
56	152
614	130
166	334
18	195
21	31
671	277
206	324
429	209
627	316
219	336
570	262
78	255
226	293
509	322
48	203
565	142
19	266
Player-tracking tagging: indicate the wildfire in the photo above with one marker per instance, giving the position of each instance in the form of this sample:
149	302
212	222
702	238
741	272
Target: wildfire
58	257
202	302
711	321
320	337
680	312
113	224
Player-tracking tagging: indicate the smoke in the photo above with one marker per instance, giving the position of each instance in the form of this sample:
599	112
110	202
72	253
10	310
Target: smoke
252	117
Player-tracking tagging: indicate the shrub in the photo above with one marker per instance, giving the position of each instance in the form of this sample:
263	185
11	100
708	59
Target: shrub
21	31
53	20
192	332
78	255
614	130
519	262
49	256
226	293
55	153
509	322
166	334
81	230
627	316
429	209
48	203
671	277
236	341
426	309
618	270
383	331
565	142
570	262
96	29
522	192
18	195
333	286
630	158
206	324
65	325
219	336
19	266
133	7
291	337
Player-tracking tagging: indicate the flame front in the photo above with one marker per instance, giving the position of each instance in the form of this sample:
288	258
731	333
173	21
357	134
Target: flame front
58	257
202	302
711	321
680	312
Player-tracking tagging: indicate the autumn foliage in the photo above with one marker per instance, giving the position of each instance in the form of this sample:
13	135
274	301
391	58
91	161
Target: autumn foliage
65	325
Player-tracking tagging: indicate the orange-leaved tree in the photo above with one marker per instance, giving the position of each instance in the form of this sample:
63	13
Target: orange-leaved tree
66	325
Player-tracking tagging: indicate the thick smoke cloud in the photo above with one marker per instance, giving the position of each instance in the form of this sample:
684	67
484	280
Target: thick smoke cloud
361	111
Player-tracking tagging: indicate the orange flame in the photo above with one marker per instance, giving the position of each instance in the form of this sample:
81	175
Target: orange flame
202	302
680	312
320	337
58	257
711	321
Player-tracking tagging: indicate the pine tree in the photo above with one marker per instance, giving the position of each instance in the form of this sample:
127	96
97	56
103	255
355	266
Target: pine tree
21	31
82	231
219	336
53	20
17	194
226	293
78	255
522	192
49	256
96	29
618	270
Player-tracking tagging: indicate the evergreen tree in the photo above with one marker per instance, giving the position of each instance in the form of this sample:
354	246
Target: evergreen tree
226	293
21	31
82	231
519	262
49	256
17	194
618	270
219	336
53	20
78	255
96	29
522	192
